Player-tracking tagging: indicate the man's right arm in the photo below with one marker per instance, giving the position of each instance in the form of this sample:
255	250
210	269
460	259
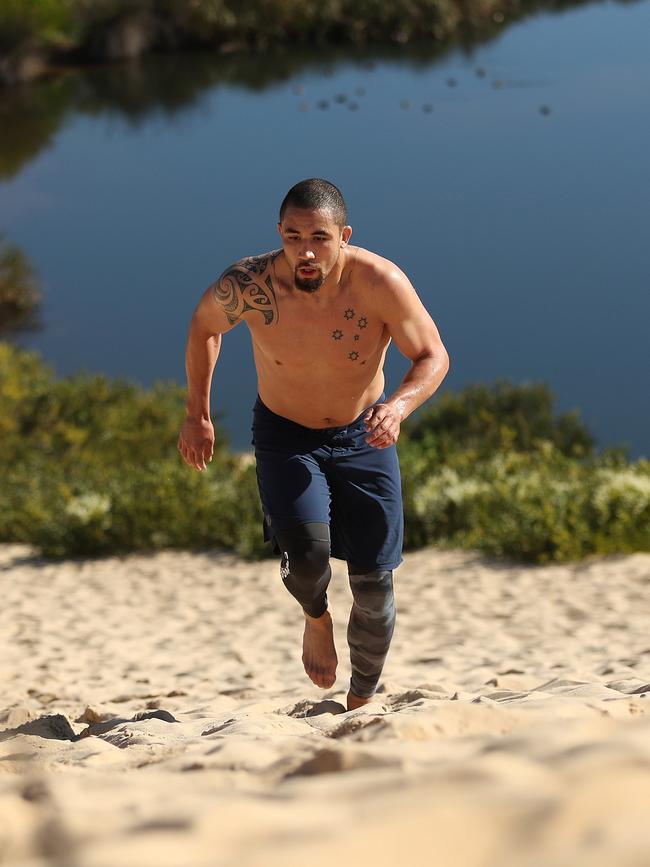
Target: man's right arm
211	319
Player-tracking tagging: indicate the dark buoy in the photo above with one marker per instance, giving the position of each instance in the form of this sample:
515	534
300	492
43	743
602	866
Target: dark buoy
427	108
405	104
545	109
341	98
481	72
323	104
353	106
451	82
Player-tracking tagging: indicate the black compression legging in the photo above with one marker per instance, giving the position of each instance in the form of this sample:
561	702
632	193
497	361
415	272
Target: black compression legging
306	574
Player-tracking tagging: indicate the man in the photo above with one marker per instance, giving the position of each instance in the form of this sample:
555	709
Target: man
321	315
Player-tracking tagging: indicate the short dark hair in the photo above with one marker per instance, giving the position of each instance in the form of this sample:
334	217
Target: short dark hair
316	193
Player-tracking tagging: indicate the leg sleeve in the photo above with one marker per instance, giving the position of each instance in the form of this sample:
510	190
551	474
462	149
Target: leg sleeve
370	628
305	567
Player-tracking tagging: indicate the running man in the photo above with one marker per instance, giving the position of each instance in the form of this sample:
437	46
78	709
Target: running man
321	314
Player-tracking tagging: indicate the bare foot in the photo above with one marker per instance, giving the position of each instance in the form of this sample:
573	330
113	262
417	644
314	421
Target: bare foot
318	651
355	701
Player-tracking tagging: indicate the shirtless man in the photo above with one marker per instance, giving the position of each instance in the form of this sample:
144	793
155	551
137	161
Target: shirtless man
321	315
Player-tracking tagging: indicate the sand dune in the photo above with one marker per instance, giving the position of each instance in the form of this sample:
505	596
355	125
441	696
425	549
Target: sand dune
154	711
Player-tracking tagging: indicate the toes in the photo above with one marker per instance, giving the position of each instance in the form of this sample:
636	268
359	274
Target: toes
314	674
323	679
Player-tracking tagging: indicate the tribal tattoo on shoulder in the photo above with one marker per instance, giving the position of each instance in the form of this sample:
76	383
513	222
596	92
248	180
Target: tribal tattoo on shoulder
259	264
243	287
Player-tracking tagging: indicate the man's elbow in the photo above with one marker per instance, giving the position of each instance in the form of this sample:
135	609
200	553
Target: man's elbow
438	357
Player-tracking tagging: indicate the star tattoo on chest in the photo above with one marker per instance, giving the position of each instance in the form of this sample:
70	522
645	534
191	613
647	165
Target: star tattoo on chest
362	322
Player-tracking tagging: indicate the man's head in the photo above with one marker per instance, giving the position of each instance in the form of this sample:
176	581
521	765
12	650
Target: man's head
313	227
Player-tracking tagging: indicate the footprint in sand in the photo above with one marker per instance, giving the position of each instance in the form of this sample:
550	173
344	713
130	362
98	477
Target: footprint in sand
328	761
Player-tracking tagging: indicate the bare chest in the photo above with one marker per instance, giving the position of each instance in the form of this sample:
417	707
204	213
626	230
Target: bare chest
345	336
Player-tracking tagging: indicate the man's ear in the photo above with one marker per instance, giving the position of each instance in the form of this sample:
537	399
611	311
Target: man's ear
280	229
346	234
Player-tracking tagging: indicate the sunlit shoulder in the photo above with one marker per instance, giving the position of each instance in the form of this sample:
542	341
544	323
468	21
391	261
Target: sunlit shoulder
245	289
385	280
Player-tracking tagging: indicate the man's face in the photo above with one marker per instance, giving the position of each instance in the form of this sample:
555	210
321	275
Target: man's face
312	243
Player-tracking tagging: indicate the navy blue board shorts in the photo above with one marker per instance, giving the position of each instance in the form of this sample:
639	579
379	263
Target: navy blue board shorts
331	476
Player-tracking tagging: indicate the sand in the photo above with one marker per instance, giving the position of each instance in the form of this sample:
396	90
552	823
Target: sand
154	711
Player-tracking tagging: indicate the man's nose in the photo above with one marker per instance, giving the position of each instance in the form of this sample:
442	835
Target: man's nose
306	253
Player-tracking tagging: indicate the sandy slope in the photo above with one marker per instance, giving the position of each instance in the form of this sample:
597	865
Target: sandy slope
510	728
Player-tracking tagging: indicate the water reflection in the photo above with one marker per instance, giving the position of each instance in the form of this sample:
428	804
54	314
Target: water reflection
30	118
20	293
168	85
522	229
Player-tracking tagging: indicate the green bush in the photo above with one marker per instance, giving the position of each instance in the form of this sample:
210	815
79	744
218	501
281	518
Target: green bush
537	506
156	505
89	466
485	418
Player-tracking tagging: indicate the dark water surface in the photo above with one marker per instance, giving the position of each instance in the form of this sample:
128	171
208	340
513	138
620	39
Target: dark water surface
527	234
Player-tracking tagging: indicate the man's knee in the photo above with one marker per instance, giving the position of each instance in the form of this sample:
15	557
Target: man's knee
305	552
373	594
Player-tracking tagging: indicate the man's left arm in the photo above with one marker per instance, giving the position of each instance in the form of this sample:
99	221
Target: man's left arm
416	336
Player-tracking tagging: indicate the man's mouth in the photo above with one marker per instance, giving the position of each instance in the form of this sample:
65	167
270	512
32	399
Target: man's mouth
308	278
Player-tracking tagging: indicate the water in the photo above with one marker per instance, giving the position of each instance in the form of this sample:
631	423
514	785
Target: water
130	188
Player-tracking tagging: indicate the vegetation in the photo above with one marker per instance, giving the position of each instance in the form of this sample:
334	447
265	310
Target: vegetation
20	294
110	29
52	22
89	466
493	468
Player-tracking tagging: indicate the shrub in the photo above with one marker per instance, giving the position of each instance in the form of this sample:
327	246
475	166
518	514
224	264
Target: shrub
536	507
482	419
158	505
89	466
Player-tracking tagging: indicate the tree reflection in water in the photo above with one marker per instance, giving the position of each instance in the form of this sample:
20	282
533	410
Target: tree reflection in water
169	84
20	294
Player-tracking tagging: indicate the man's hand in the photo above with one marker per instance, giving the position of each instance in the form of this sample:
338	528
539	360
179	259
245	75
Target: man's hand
196	442
383	425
